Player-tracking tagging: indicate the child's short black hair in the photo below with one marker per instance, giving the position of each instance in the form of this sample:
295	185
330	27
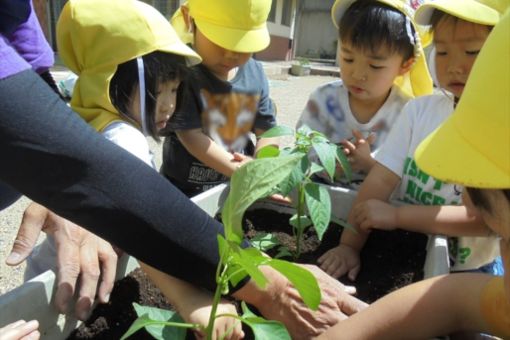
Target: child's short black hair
159	67
439	16
369	25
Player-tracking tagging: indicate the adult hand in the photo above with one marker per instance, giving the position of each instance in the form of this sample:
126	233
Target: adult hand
340	260
80	254
375	214
20	330
281	301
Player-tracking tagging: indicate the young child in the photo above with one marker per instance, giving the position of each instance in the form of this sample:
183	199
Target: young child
458	37
129	63
382	66
228	93
459	302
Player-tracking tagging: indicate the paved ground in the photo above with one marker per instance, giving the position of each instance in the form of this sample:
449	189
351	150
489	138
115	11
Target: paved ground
290	94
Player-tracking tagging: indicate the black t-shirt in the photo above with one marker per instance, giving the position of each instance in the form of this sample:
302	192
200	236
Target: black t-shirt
226	111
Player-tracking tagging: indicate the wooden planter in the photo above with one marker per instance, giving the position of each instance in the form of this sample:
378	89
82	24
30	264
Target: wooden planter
33	299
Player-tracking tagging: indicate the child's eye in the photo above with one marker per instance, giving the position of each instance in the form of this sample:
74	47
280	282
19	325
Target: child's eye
376	67
440	53
348	60
475	52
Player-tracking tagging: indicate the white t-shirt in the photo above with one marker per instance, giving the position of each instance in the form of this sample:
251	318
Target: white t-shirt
419	118
328	112
130	139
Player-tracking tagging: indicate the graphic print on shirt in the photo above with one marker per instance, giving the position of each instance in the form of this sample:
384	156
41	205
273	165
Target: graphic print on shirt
228	118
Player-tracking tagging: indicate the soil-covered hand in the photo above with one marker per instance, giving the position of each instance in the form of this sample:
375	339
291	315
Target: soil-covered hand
20	330
375	214
340	260
227	328
282	302
81	255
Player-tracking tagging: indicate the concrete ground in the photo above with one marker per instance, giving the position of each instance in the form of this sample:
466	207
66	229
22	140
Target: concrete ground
289	93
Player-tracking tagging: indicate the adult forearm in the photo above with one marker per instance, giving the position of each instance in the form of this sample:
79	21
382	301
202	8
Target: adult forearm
55	158
443	220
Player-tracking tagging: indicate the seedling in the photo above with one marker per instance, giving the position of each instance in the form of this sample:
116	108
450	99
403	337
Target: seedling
312	202
251	182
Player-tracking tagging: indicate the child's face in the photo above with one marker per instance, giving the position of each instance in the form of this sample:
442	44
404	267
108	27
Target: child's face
217	59
369	76
457	45
165	103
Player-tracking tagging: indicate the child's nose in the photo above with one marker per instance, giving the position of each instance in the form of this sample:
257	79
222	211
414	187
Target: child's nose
455	66
359	74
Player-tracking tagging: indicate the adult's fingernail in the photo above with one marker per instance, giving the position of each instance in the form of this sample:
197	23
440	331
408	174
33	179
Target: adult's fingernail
13	258
107	298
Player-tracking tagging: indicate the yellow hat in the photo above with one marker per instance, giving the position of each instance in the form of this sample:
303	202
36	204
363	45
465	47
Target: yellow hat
236	25
95	36
483	12
472	147
417	81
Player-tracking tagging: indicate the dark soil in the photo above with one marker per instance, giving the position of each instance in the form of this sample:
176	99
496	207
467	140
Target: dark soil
390	260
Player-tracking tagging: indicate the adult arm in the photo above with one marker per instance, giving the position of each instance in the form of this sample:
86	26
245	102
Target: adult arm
56	159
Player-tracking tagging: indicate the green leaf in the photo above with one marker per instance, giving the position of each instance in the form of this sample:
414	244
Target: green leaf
264	329
314	168
278	131
283	252
268	151
252	181
304	221
154	320
302	279
318	203
264	241
326	153
342	159
295	177
304	130
249	259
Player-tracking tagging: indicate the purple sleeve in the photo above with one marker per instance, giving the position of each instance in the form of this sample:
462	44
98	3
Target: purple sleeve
29	41
10	61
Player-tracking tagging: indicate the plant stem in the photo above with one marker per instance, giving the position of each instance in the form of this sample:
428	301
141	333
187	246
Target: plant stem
300	206
217	295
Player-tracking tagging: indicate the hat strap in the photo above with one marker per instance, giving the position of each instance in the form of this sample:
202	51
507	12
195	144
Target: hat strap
141	83
414	37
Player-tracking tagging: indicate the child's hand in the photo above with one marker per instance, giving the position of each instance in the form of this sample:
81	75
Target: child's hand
227	328
358	151
340	260
20	330
375	214
240	159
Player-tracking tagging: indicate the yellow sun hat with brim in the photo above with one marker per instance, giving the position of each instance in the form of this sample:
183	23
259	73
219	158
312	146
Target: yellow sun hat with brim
483	12
417	81
95	36
235	25
472	147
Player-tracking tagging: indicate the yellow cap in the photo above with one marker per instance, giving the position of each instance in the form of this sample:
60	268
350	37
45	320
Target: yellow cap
236	25
472	147
483	12
417	81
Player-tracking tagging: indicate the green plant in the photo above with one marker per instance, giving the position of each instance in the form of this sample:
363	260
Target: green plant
302	61
252	181
312	198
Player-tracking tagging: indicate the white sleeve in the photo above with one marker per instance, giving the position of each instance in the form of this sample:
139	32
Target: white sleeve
395	149
130	139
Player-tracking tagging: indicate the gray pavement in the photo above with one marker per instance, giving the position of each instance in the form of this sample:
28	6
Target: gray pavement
289	93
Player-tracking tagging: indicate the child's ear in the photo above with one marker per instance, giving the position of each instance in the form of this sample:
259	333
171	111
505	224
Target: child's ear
406	66
187	19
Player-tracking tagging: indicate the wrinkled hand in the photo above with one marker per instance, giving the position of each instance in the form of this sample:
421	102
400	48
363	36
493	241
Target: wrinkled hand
375	214
227	328
358	151
340	260
20	330
284	304
80	254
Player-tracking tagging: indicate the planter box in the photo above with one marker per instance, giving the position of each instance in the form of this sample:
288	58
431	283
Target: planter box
33	299
300	70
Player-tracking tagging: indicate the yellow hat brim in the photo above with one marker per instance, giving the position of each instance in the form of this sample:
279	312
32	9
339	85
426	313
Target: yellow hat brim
192	58
468	10
243	41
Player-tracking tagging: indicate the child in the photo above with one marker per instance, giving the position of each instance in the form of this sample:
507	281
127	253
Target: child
129	63
460	302
382	66
432	208
228	94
